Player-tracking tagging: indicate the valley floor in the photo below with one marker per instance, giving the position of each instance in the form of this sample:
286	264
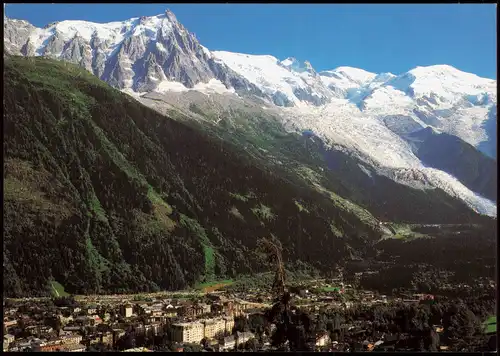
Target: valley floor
230	319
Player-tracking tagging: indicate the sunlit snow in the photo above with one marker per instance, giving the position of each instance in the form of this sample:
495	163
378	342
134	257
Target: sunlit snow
213	86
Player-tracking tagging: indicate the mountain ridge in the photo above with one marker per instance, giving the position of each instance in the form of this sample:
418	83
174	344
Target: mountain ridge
170	59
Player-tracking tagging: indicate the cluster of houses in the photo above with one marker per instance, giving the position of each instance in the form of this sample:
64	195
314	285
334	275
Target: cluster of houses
105	320
76	328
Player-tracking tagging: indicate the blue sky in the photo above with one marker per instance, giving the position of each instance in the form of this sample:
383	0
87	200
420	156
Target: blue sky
377	38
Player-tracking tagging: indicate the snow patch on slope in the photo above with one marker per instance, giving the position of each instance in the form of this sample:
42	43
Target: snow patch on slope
39	38
106	31
341	122
346	77
440	96
213	86
264	72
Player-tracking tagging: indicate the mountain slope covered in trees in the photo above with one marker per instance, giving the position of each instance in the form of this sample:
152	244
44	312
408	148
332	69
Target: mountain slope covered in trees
104	194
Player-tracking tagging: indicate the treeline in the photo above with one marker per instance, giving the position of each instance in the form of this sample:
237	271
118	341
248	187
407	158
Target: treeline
405	327
450	257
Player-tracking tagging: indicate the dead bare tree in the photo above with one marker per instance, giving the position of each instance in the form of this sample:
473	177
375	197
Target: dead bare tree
279	313
274	254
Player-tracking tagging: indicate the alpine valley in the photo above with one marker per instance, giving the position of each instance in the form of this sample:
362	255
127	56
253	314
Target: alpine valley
137	159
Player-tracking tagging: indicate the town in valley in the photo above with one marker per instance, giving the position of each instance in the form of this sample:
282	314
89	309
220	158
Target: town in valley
219	318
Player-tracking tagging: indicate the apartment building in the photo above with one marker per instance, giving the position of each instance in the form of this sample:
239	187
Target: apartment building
196	331
214	327
188	332
229	324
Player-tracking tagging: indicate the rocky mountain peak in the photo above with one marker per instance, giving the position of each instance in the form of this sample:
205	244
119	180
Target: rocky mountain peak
309	68
170	15
138	54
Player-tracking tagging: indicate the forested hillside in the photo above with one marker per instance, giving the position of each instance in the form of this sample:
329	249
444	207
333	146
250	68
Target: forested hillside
103	194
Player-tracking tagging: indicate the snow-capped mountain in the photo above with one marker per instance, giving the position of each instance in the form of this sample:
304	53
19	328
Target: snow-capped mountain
368	114
288	83
442	97
439	96
141	54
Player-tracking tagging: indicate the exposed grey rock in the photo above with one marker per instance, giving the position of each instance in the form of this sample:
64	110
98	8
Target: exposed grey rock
55	45
428	118
98	62
134	47
115	72
401	124
28	49
139	62
307	95
281	99
77	51
16	35
312	81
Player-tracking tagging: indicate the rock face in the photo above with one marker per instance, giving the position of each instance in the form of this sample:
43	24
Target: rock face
16	36
137	54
